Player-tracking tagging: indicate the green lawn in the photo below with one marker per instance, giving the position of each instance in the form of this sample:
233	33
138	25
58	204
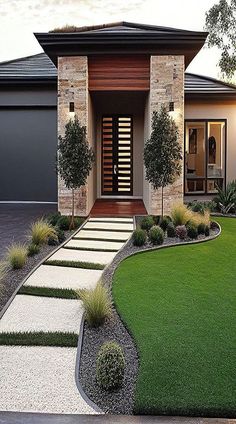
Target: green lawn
180	305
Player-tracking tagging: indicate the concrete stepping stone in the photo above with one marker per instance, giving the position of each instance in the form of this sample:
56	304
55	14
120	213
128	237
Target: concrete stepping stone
64	277
95	244
111	219
104	235
108	226
90	256
40	379
35	313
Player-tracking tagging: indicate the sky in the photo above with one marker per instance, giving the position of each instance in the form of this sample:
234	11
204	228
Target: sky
19	19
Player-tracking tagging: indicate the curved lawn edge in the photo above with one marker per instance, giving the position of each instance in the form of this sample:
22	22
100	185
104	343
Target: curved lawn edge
126	319
107	278
41	262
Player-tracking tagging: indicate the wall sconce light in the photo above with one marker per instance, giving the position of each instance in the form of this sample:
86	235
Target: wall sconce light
72	109
171	107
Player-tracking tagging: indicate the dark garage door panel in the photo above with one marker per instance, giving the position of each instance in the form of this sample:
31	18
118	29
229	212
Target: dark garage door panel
28	144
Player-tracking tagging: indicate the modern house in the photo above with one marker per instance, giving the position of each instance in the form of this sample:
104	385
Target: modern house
113	77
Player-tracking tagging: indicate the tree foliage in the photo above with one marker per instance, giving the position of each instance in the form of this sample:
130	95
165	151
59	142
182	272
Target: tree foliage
162	152
75	158
221	24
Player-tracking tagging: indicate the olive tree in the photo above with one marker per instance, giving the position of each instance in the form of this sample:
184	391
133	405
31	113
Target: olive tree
162	152
75	159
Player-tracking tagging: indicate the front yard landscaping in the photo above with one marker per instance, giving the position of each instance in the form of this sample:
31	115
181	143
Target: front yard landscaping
180	306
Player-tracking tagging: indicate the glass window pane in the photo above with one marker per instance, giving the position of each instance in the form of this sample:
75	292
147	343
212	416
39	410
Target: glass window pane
195	157
216	149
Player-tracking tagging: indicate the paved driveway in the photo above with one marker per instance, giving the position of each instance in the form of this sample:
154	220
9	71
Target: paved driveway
15	220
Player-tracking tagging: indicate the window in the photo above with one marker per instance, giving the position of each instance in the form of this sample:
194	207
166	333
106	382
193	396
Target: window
204	156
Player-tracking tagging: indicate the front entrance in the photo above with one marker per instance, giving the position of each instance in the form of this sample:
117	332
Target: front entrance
117	155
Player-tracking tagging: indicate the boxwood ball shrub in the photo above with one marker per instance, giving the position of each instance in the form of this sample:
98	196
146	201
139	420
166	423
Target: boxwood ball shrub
17	255
192	231
207	231
181	231
164	222
156	235
147	222
110	366
64	223
170	230
33	249
139	237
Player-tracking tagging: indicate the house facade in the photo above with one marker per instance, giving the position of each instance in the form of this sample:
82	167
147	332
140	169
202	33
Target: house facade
113	77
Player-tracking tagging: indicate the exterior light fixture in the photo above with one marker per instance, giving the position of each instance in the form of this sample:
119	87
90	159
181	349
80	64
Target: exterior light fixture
171	107
72	109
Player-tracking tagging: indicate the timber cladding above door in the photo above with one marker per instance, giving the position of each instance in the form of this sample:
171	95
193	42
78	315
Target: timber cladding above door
117	73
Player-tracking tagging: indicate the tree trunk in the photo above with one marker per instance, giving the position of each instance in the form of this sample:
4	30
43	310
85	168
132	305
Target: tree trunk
72	221
162	202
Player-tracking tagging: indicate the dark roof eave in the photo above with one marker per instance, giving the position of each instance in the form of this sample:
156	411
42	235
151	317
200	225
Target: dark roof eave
209	96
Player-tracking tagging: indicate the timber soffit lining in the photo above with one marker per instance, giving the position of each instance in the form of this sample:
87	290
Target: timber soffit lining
124	38
39	68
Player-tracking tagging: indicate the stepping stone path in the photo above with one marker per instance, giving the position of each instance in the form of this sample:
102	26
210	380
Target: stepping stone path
42	378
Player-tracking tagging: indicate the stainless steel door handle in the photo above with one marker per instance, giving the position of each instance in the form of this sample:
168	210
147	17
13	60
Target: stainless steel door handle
115	169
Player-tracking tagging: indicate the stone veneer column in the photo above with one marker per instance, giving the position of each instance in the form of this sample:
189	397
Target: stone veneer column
167	85
72	87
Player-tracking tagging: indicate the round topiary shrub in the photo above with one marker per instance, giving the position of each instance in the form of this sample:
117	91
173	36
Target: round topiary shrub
192	231
110	366
156	235
139	237
164	222
181	231
170	230
201	228
207	231
147	222
63	223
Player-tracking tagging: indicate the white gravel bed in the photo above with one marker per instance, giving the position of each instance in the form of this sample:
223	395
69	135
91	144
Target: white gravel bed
95	244
111	219
40	379
105	235
102	258
64	277
109	226
35	313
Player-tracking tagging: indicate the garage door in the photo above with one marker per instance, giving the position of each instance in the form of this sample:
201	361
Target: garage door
28	143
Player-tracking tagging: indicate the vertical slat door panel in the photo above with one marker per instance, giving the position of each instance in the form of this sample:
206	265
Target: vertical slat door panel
117	167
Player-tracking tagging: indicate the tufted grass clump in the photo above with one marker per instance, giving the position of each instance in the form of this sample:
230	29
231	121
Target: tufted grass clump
33	249
192	231
180	214
41	231
17	255
139	237
97	304
110	366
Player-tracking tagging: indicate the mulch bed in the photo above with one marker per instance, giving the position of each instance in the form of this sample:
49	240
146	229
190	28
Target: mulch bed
120	401
14	278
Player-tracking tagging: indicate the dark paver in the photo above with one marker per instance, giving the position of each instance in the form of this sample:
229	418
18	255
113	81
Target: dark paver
30	418
15	220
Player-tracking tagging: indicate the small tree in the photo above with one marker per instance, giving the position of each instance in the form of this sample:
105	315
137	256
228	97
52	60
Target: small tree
162	152
75	159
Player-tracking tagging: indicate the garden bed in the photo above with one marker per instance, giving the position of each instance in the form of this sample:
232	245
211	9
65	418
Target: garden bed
120	401
15	277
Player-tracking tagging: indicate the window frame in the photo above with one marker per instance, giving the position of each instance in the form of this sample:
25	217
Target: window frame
206	178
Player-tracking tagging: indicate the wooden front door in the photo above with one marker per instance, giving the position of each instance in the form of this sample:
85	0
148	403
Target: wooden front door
117	163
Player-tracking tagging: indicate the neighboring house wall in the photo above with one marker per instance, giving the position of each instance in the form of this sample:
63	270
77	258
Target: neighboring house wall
167	85
28	140
218	110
